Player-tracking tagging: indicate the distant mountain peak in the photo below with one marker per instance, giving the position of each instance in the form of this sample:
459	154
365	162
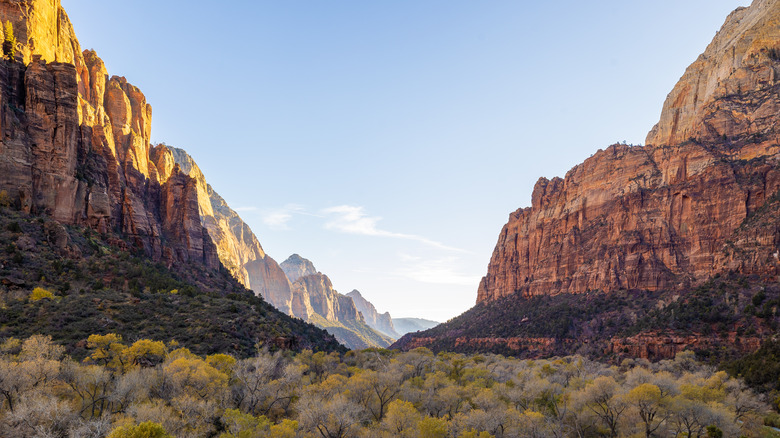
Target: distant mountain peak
296	267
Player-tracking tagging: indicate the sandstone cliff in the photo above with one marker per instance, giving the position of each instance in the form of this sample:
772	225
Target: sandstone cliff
314	300
296	267
237	246
75	144
646	251
381	322
672	213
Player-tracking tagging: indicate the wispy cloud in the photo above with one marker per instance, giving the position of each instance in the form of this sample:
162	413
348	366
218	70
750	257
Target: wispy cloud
279	218
352	219
436	271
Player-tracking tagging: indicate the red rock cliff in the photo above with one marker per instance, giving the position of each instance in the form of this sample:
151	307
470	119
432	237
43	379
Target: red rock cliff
673	212
75	144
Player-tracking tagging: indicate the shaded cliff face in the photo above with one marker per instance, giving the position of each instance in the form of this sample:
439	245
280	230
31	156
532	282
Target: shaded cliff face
75	143
382	322
324	300
677	211
313	299
238	248
296	267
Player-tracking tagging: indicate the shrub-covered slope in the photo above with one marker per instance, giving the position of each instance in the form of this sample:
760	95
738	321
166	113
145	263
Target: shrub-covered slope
99	286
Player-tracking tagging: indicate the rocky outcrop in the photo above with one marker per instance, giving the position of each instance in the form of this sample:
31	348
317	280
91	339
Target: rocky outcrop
296	267
75	144
381	322
313	299
730	89
659	345
324	300
669	214
238	248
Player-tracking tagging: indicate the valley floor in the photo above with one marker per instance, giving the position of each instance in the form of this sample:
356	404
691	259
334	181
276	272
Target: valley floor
150	388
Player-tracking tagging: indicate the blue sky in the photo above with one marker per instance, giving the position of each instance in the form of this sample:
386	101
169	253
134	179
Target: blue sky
389	141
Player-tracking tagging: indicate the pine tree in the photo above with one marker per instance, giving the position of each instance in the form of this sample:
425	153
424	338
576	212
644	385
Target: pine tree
9	41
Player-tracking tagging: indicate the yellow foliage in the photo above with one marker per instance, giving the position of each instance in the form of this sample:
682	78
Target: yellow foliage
5	200
432	427
247	426
145	352
40	293
401	418
222	362
182	352
646	392
196	375
147	429
108	350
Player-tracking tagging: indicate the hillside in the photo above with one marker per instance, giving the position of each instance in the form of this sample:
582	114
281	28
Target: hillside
76	152
698	202
99	286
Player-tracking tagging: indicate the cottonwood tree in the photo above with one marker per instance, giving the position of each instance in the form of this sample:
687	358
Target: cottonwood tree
337	417
603	398
650	404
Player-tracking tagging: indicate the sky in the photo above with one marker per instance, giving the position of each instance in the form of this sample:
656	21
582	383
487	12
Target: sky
388	141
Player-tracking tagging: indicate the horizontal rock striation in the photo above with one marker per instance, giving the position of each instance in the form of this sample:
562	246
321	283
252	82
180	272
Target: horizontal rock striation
674	212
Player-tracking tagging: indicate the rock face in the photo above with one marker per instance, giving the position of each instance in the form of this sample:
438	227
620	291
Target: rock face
314	300
75	144
296	267
381	322
238	248
677	211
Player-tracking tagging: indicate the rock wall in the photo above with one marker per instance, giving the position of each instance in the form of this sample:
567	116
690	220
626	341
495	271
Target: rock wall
238	248
75	144
668	214
296	267
382	322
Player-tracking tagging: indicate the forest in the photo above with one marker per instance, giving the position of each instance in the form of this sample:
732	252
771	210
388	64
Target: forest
151	388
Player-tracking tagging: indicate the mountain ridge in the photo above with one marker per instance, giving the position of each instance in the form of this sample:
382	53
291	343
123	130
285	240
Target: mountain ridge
697	203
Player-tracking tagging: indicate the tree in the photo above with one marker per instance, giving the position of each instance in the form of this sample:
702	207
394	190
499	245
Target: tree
9	41
336	417
146	429
401	419
196	377
601	397
108	351
432	427
649	402
145	353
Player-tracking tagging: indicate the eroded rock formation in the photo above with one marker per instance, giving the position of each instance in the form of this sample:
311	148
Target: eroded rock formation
238	248
669	214
382	322
314	300
75	144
